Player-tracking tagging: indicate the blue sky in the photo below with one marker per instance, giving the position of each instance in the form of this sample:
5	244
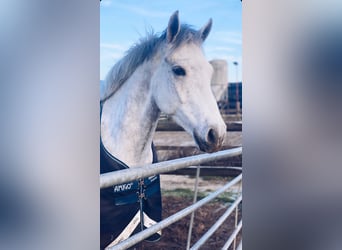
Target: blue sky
122	23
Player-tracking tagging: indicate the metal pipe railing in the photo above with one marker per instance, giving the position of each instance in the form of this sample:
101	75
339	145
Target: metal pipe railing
193	213
122	176
239	247
217	224
173	218
233	236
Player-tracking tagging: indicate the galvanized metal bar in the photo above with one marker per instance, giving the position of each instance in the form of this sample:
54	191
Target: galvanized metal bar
233	236
239	246
217	224
236	217
173	218
193	213
122	176
235	225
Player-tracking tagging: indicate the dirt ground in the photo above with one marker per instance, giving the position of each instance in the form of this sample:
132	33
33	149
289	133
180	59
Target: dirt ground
175	236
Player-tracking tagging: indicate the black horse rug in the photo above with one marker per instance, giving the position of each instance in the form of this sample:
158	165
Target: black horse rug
127	208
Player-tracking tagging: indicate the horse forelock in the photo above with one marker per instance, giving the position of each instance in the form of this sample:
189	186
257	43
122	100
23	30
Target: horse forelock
143	51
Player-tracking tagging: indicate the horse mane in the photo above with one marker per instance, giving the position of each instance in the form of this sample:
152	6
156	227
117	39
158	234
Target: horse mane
144	50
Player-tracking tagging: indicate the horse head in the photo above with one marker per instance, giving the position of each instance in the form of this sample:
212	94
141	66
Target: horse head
181	84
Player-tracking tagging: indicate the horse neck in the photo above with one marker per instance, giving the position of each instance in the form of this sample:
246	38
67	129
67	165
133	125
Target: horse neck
129	119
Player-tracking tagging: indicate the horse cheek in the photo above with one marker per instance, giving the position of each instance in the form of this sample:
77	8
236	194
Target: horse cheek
161	95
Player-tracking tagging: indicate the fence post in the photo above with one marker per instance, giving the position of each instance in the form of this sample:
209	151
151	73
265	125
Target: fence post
193	213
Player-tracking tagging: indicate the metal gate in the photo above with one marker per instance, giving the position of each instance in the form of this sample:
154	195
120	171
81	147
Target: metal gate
126	175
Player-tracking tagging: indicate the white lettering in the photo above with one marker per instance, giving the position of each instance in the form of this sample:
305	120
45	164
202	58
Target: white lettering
152	178
123	187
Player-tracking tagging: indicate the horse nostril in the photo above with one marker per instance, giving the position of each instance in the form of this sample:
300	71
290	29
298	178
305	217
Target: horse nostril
212	136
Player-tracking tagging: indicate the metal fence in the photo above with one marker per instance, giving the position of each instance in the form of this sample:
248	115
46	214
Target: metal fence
123	176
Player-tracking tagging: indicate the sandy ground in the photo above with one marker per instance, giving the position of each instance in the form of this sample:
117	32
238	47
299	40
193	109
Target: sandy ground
183	139
171	182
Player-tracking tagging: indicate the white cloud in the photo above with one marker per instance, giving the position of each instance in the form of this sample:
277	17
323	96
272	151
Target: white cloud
219	49
106	3
114	46
112	51
116	56
228	37
142	11
112	56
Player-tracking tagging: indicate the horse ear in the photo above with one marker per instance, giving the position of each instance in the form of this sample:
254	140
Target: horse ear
205	30
173	27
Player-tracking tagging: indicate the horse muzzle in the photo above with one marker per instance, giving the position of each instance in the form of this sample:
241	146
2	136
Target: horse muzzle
210	141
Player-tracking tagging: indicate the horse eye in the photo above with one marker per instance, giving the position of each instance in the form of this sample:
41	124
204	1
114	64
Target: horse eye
178	70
